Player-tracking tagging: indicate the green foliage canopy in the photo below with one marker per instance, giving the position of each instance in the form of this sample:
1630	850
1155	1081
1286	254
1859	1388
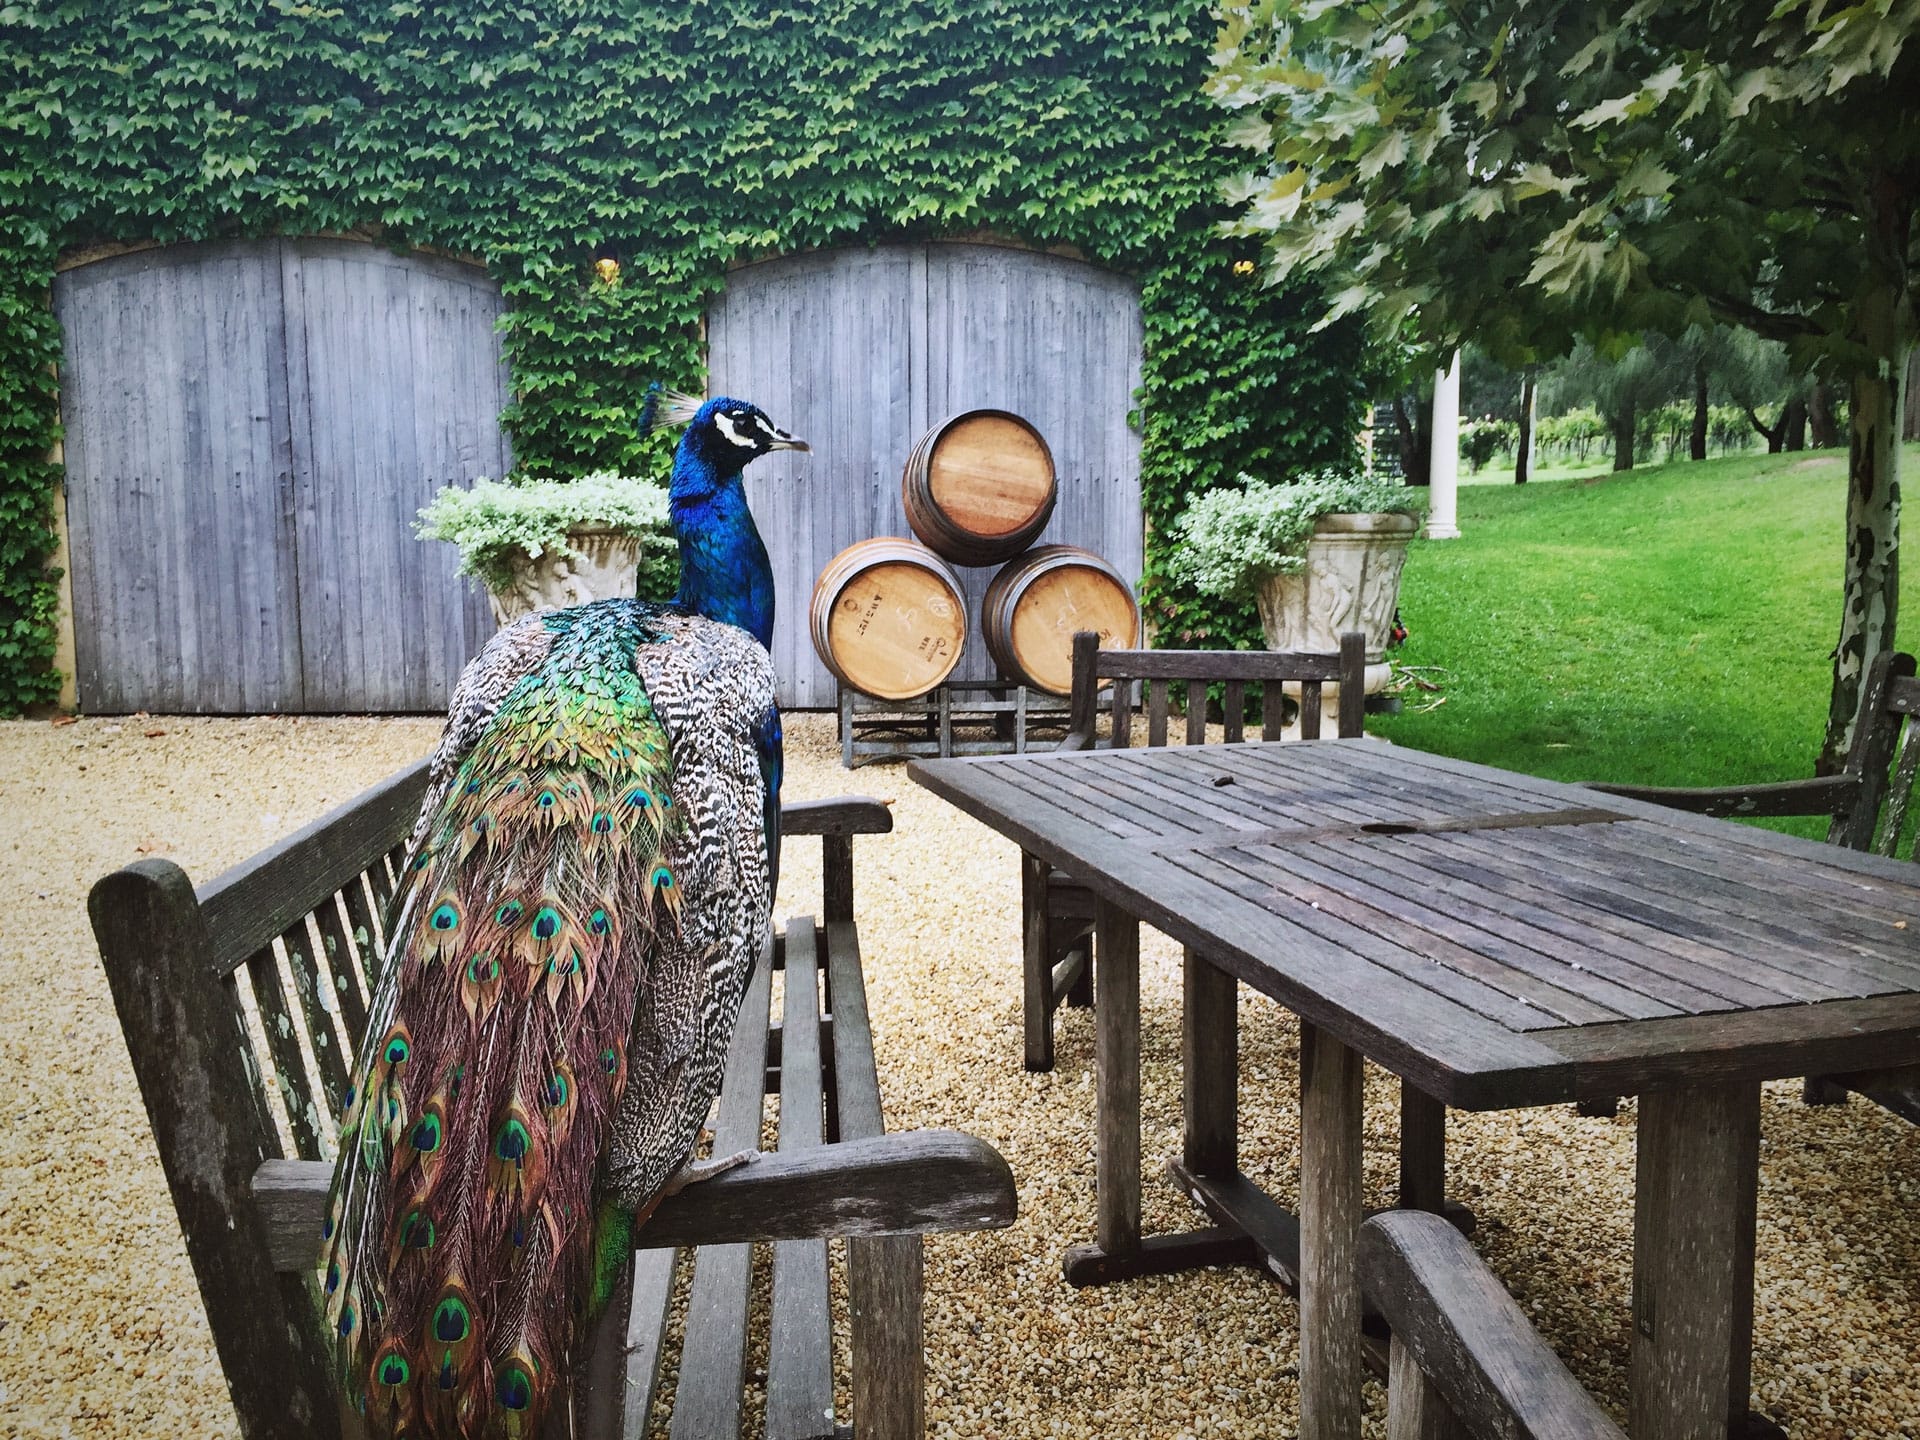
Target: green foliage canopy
1519	175
687	137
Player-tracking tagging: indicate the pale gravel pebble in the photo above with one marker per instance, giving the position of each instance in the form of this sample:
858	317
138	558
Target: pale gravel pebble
101	1331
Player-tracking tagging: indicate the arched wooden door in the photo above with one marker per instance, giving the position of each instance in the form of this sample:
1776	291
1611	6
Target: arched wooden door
251	428
861	351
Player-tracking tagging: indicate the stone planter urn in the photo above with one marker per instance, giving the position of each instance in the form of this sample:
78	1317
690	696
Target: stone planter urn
603	568
1351	581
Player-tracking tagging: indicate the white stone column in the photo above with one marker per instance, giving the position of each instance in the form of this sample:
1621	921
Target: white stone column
1443	469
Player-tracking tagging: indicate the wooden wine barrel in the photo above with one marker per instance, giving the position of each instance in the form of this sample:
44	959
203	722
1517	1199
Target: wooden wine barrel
979	487
888	618
1036	603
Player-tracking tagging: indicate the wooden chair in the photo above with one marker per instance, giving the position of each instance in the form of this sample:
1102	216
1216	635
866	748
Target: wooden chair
1464	1360
1866	804
1057	910
242	1001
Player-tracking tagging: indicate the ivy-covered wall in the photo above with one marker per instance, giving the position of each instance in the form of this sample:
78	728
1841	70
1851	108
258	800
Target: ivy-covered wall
685	135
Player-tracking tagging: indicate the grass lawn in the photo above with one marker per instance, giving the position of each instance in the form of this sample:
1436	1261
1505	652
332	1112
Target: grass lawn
1667	626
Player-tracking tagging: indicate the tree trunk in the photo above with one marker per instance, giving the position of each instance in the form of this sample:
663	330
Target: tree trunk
1623	427
1871	592
1795	423
1523	452
1824	433
1416	436
1911	429
1697	442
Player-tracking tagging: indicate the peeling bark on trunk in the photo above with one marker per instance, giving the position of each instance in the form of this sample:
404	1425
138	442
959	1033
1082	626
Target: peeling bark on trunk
1871	592
1910	429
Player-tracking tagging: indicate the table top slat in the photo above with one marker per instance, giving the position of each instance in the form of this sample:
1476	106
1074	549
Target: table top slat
1504	945
1672	965
1870	953
1495	938
1483	986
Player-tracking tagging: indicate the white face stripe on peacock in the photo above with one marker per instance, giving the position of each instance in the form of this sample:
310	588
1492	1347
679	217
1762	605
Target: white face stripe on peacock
751	430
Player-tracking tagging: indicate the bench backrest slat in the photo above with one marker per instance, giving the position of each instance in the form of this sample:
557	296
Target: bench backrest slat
253	903
1161	674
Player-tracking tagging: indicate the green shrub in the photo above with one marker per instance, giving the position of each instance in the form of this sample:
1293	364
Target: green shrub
1229	540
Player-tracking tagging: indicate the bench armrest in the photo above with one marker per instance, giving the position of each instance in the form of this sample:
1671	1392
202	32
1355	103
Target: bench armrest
1823	795
1458	1336
842	815
915	1182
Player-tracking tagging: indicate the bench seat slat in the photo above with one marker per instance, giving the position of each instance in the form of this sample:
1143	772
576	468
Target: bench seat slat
800	1320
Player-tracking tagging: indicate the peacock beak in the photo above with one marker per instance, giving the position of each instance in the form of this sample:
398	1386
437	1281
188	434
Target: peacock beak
784	441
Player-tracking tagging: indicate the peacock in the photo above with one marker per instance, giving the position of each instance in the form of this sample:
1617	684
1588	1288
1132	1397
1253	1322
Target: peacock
587	891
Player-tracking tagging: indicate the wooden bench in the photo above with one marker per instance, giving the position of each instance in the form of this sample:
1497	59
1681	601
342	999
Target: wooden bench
1464	1361
1866	804
242	1001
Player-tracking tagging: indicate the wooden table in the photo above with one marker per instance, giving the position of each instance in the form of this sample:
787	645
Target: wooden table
1497	940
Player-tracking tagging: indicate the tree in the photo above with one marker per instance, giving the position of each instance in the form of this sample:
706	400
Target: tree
1520	176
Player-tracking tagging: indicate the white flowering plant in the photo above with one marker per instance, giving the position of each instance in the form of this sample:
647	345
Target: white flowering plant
1231	539
495	521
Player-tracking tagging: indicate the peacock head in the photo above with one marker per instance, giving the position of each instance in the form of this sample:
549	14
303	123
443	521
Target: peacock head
721	437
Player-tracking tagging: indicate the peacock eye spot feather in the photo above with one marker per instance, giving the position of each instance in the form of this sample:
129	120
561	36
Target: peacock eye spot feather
416	1232
346	1320
508	913
602	823
473	787
609	1060
557	1090
546	923
449	1377
482	968
565	965
444	918
397	1051
451	1323
511	1142
663	877
514	1389
426	1135
547	800
639	800
393	1371
333	1278
599	923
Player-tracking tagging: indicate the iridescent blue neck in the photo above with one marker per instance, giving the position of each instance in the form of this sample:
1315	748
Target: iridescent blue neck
724	570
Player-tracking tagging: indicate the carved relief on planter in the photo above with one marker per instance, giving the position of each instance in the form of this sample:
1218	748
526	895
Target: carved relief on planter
603	568
1351	582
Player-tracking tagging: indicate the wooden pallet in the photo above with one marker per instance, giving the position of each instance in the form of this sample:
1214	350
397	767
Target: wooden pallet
961	717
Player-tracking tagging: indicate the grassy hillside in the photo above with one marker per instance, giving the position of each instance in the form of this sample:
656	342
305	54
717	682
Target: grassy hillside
1666	626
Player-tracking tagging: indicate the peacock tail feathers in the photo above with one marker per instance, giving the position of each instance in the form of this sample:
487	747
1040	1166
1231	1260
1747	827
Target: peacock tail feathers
549	1027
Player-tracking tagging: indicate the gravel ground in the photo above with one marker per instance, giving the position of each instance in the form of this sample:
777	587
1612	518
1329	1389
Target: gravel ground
101	1331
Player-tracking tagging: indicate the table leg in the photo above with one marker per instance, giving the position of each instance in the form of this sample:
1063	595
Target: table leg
1210	1069
1696	1175
1330	1216
1117	1058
